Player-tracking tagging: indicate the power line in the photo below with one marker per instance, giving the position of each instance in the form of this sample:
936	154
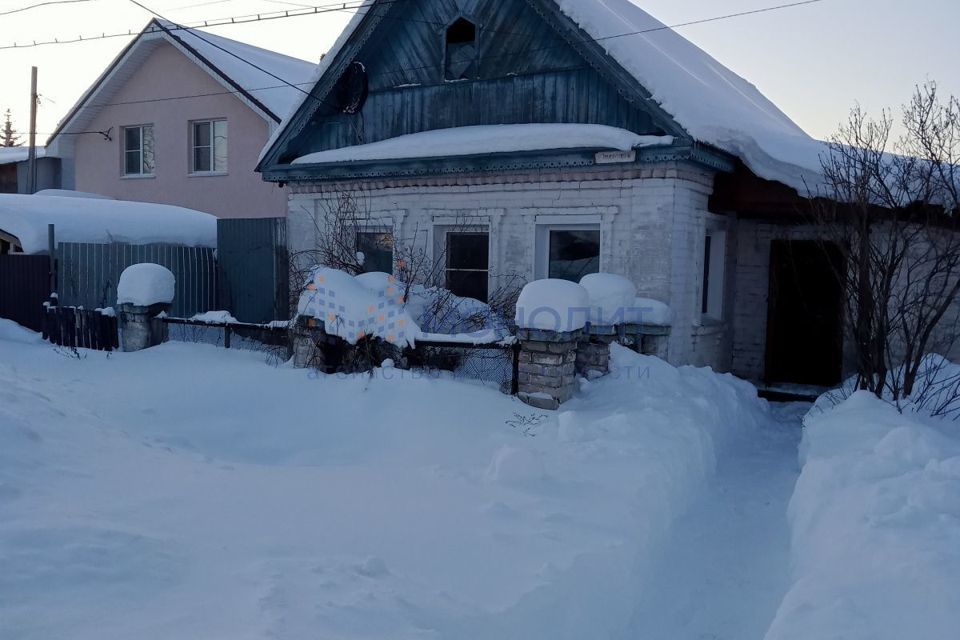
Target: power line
342	6
40	4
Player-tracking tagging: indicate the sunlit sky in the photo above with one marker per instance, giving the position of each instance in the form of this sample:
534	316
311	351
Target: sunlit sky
814	61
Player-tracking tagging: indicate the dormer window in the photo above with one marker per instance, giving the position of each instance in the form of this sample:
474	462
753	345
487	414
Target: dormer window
462	53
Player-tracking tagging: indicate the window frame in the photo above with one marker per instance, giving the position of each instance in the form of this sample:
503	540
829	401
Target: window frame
142	156
444	237
446	48
377	231
713	275
192	151
543	237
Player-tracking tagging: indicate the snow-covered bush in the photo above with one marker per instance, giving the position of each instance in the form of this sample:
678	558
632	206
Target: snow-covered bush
146	284
875	522
553	305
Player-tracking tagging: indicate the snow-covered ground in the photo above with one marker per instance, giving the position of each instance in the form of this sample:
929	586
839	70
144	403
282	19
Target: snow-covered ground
875	520
193	492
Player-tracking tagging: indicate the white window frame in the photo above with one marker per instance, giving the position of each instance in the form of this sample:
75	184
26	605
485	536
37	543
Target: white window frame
213	171
716	282
542	249
123	151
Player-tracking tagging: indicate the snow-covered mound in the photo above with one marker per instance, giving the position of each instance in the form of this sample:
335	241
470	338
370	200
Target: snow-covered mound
146	284
353	309
70	193
875	519
553	305
229	499
102	221
484	139
650	311
611	297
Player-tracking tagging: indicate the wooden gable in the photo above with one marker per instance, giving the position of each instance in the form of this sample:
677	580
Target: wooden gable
533	65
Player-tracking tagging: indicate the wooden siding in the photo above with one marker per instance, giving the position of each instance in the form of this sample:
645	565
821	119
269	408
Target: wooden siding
528	74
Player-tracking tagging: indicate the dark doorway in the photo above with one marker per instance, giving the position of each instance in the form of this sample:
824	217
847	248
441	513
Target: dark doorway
805	314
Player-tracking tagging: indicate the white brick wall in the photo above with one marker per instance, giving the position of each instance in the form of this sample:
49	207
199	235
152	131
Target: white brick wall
652	227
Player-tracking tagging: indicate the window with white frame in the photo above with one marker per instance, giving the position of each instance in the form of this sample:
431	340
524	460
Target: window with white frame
568	251
714	259
138	150
208	141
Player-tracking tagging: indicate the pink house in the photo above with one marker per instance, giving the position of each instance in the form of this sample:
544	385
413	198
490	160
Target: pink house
179	118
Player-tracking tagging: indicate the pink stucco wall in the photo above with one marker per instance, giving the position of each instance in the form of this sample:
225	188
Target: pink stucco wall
166	73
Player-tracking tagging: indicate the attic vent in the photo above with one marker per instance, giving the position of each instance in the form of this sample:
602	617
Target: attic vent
462	53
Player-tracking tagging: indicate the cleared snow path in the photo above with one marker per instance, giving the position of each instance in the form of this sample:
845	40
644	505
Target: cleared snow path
726	568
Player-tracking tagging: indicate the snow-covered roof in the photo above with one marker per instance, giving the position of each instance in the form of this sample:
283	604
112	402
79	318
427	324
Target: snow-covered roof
252	68
483	139
712	103
9	155
102	221
249	71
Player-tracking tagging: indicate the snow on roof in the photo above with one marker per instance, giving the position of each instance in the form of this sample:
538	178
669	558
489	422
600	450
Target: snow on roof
9	155
482	139
236	60
70	193
102	221
714	105
711	102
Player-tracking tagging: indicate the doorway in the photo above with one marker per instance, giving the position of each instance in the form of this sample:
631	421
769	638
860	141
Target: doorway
805	314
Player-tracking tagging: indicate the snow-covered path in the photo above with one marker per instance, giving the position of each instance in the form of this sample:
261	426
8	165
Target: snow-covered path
727	566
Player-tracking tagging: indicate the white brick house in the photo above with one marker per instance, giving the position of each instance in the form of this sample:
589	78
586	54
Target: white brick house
632	179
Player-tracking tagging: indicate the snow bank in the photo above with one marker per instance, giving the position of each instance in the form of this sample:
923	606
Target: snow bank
145	284
611	296
553	305
482	139
353	311
875	523
102	221
229	499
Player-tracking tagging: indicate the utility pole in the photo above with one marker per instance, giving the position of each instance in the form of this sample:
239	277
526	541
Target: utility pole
32	151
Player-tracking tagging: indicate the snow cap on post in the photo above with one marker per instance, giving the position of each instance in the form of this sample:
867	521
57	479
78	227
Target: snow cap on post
553	305
611	297
146	284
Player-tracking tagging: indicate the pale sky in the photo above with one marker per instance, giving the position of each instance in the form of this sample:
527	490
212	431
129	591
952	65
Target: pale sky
815	61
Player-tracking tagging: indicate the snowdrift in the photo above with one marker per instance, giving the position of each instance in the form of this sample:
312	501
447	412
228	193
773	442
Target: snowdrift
875	523
201	494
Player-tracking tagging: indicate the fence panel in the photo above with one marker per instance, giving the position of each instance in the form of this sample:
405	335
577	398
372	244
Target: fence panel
72	327
253	278
88	273
24	287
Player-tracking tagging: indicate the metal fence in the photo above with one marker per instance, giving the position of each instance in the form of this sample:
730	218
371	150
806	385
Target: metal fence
88	273
253	268
24	287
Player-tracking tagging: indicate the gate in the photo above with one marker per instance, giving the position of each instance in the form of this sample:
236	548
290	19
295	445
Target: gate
253	269
24	287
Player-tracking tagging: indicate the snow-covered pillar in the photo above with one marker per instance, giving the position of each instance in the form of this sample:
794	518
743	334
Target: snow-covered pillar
144	294
309	339
140	328
547	367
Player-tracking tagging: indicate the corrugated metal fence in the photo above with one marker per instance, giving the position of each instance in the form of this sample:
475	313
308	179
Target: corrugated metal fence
253	276
88	273
24	287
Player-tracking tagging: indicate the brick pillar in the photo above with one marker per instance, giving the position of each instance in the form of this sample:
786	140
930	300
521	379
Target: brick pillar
139	327
309	339
650	340
547	367
593	351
